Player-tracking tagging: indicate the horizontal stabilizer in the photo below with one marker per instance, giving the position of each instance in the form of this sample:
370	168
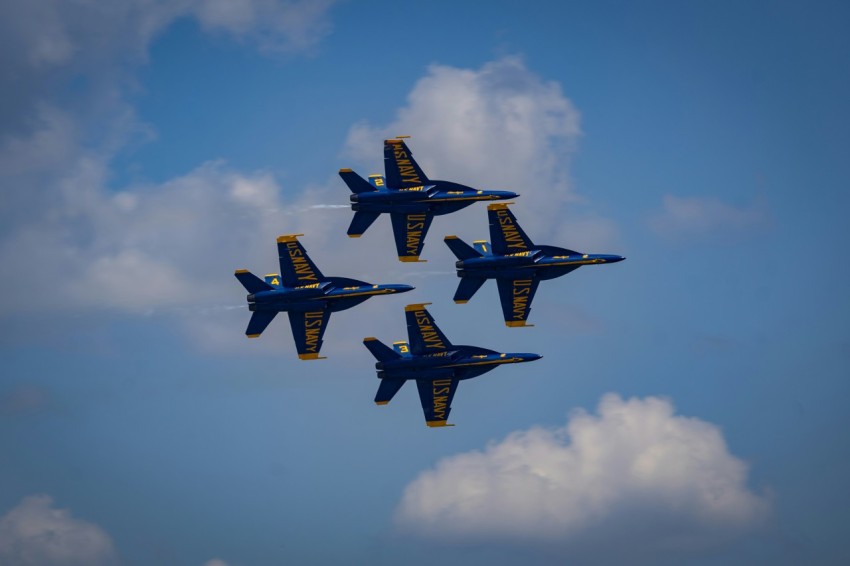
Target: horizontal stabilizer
387	390
259	321
467	287
355	182
460	248
251	282
381	351
361	222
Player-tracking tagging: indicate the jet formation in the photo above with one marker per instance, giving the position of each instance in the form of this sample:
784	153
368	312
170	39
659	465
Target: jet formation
428	357
409	197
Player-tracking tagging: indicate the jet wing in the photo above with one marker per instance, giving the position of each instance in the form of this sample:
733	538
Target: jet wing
296	267
307	329
401	170
424	335
409	231
505	233
516	296
436	397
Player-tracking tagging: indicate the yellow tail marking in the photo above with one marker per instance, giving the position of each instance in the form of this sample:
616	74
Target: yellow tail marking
411	259
517	324
252	335
415	307
346	170
438	423
381	402
241	271
499	206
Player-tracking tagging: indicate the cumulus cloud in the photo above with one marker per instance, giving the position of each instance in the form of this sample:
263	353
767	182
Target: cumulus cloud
37	534
635	472
498	127
707	217
141	247
172	246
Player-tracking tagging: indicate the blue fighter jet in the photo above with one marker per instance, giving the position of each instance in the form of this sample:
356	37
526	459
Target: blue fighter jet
436	364
516	264
411	199
308	296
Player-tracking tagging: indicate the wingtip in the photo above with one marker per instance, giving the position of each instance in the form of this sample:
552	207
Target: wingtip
311	356
287	238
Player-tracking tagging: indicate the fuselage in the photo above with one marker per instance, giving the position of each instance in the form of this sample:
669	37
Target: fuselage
439	197
462	362
336	295
536	262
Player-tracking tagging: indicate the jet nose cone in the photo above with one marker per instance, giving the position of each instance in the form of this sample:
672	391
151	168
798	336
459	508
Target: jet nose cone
506	195
615	258
401	288
529	357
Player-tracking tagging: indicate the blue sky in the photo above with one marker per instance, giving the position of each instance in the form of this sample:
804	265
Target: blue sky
691	403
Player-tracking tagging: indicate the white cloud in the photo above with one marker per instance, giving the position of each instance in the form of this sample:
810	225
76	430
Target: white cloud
37	534
497	127
74	243
215	562
170	248
707	217
636	473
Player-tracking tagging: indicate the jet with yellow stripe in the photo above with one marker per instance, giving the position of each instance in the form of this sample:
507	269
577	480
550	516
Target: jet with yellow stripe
434	363
305	294
409	197
517	264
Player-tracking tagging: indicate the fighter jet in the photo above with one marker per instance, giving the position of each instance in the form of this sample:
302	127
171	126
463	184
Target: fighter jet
436	364
309	297
517	265
411	199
